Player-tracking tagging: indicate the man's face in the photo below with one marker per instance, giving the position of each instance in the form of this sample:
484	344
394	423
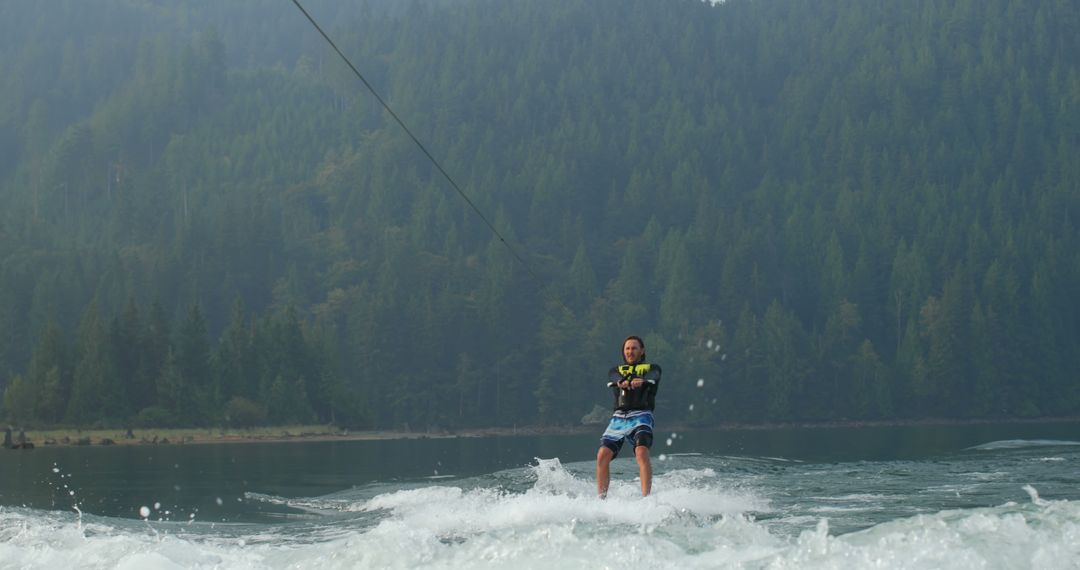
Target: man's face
631	351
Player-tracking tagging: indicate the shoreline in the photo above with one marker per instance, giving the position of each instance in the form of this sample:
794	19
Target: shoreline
289	434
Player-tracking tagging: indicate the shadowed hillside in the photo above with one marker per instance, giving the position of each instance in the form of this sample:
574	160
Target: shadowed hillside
841	209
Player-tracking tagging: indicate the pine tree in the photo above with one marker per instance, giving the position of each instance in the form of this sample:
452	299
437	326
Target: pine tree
174	395
745	401
783	343
92	399
50	369
558	386
156	348
581	279
624	294
234	366
126	337
192	361
682	296
870	396
9	336
837	347
20	400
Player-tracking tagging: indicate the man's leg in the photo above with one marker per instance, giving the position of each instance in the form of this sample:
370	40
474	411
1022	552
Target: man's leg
603	470
644	469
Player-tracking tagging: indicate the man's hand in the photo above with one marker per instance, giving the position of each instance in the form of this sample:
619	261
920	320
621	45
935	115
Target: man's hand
636	383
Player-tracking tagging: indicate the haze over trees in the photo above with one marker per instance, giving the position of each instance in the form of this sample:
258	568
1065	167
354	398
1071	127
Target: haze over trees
841	209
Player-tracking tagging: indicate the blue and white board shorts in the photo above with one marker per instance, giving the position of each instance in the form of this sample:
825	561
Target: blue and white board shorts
637	426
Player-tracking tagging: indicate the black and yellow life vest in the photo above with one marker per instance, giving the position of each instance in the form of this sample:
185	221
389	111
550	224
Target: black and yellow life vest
643	398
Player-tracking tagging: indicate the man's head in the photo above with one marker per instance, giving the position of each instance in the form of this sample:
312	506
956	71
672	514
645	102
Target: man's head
633	350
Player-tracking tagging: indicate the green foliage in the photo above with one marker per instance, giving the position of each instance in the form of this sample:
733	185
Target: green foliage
155	417
50	372
868	208
241	412
20	399
95	398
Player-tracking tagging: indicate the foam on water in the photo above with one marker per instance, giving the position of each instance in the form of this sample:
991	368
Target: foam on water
548	516
1023	443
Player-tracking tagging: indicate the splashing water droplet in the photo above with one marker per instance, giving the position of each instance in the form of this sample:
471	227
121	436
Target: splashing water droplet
691	407
662	457
669	442
700	382
157	506
723	356
708	343
218	501
144	511
55	469
1034	494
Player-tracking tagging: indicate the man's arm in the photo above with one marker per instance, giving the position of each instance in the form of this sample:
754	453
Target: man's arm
615	378
652	376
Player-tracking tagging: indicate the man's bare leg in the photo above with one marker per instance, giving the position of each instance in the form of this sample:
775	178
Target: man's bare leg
644	468
603	471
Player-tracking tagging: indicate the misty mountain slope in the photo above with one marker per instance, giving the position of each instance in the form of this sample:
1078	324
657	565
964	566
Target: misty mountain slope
826	209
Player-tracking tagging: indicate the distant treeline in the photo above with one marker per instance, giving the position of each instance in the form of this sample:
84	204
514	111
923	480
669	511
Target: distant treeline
137	369
838	209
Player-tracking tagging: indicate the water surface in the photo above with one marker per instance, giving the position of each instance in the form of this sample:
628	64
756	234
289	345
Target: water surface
1001	496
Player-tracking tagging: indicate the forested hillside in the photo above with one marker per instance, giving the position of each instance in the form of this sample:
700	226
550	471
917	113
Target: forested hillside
811	210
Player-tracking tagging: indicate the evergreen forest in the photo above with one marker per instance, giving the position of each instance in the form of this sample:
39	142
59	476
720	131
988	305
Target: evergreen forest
828	210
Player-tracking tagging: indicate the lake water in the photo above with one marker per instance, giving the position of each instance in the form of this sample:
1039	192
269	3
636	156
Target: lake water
981	496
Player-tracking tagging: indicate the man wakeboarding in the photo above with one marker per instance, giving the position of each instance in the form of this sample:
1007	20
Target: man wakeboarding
633	384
